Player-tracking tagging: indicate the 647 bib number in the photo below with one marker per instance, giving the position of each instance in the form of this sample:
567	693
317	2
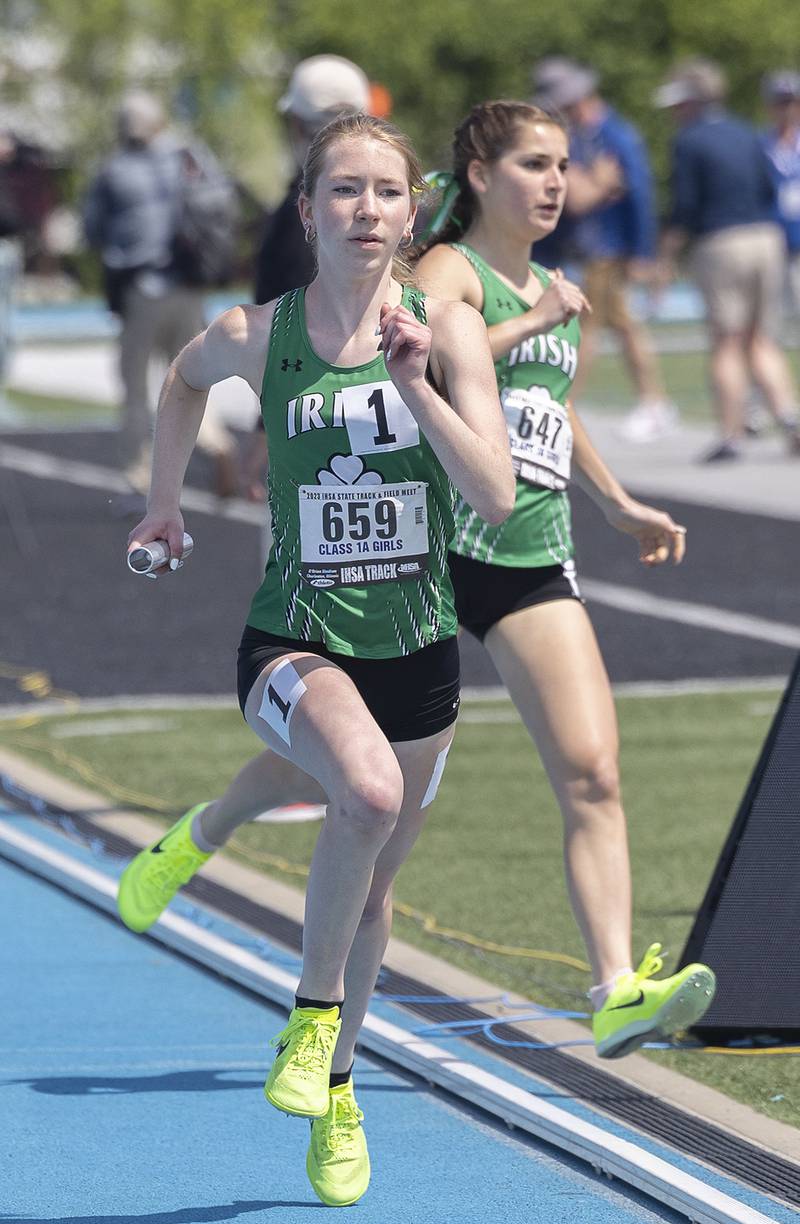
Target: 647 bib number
361	535
540	435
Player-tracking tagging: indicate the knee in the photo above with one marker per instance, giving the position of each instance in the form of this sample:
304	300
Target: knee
370	805
378	905
596	782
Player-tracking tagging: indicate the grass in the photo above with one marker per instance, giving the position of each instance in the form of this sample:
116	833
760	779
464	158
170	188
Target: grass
489	860
609	387
685	375
45	409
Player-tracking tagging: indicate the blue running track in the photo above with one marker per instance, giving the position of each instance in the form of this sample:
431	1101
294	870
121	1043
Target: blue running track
131	1094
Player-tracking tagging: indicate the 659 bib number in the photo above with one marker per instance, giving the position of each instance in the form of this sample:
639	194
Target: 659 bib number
356	536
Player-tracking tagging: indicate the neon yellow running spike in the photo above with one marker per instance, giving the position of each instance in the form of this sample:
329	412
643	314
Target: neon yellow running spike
298	1082
338	1161
638	1010
151	880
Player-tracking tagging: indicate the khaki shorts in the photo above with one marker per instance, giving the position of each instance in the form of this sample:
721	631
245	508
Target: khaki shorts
605	283
741	273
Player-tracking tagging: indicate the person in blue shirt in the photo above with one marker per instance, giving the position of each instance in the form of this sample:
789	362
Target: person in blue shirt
723	199
781	93
610	202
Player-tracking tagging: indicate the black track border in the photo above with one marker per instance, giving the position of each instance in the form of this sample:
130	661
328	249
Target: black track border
761	1170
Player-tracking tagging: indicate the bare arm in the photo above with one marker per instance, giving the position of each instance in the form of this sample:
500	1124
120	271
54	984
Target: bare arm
658	536
589	188
468	434
234	344
447	274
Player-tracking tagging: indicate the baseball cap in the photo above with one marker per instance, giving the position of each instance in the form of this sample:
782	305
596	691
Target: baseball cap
140	116
695	81
560	82
781	86
324	86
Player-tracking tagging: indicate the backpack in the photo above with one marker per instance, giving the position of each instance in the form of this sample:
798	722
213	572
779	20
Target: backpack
204	244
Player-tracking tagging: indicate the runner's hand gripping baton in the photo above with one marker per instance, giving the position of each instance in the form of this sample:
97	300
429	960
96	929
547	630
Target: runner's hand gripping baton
152	556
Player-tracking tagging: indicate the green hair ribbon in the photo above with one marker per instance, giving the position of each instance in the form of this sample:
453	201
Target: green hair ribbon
444	182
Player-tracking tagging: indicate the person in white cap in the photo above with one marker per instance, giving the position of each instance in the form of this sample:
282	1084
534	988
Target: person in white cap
319	89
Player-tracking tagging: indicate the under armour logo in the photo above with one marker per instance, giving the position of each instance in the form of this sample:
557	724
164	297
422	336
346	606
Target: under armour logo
297	364
504	304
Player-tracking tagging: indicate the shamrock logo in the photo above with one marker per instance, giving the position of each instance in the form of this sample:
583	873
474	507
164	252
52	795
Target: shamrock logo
347	470
540	397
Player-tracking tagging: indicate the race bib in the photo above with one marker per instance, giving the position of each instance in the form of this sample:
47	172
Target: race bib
359	535
540	434
377	419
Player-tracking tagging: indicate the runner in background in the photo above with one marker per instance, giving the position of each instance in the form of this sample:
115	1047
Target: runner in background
516	586
348	665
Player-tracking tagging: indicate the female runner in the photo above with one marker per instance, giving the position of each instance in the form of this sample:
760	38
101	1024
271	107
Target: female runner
348	665
515	583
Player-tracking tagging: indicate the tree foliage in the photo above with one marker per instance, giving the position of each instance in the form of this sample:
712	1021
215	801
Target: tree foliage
223	63
439	59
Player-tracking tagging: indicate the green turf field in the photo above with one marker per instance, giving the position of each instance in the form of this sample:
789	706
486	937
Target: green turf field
489	862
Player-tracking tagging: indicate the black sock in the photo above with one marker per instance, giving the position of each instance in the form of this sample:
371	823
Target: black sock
340	1077
320	1004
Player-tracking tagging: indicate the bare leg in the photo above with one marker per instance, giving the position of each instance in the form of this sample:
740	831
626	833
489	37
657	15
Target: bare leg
417	759
550	662
335	740
774	376
589	332
641	361
267	781
730	377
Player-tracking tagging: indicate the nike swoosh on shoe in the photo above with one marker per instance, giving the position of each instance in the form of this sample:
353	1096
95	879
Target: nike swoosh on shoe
633	1003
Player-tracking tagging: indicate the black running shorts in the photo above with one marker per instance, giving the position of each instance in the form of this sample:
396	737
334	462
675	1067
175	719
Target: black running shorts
410	697
486	593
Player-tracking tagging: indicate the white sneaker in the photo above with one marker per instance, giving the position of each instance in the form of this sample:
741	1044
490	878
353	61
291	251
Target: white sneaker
649	420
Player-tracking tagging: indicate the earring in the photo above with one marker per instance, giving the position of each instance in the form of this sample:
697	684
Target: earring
407	240
310	235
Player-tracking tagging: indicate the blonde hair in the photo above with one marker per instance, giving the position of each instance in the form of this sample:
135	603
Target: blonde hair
354	126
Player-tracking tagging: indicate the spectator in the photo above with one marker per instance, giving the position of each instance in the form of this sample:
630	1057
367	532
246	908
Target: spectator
781	92
610	198
10	251
132	215
319	89
724	199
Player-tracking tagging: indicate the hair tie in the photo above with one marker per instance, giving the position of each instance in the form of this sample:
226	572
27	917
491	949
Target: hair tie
445	182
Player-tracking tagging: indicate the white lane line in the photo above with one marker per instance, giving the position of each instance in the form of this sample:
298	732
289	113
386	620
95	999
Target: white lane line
471	695
110	480
704	616
589	1142
79	728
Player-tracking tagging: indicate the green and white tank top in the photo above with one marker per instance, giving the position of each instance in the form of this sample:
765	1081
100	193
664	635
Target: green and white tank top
362	510
534	379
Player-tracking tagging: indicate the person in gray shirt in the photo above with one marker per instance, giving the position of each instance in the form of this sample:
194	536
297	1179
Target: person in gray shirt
131	216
